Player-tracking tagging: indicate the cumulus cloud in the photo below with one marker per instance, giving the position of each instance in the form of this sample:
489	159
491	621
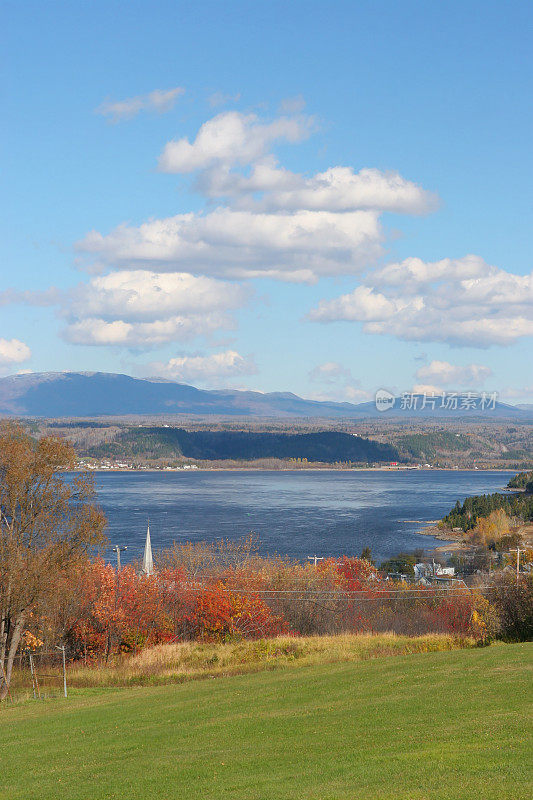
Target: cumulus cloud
338	189
240	244
144	296
460	301
142	308
13	351
270	222
97	331
413	274
444	374
343	189
159	101
231	138
232	141
205	369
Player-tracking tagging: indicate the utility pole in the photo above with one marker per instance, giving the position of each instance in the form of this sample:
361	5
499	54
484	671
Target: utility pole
315	559
118	550
517	550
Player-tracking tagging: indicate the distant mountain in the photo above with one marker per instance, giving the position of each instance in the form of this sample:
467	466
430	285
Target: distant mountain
94	394
420	408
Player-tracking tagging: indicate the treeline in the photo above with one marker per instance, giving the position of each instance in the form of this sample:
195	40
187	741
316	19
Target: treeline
324	446
524	480
226	592
467	515
425	446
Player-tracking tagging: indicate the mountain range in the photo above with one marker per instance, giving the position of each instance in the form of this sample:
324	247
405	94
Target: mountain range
95	394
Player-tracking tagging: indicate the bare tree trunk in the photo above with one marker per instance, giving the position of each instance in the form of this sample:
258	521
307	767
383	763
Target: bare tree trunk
4	625
3	636
7	669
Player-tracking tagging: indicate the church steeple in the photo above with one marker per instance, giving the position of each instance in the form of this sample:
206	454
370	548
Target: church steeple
148	562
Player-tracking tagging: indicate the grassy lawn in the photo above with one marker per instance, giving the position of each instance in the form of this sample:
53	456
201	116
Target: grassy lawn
437	725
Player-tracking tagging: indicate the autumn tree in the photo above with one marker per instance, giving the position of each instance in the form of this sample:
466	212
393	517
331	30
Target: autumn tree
47	524
491	529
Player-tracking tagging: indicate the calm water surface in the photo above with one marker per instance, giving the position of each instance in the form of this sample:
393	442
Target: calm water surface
293	513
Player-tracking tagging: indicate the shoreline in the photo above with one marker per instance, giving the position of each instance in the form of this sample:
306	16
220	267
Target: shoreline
453	544
302	469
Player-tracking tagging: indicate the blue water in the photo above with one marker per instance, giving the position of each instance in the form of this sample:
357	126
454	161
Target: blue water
293	513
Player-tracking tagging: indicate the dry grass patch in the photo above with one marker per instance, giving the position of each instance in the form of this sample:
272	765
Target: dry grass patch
176	663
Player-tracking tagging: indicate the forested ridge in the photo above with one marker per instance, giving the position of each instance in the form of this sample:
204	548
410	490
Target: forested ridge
323	446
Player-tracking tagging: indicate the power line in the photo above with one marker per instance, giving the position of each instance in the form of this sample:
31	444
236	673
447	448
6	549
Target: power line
393	594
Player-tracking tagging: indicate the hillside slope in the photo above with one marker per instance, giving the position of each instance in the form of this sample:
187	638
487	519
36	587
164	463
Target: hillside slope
445	726
322	446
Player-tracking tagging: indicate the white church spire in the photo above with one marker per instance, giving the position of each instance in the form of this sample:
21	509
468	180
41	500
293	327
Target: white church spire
148	562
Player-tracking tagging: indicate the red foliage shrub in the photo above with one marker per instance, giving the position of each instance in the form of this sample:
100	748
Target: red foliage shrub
99	611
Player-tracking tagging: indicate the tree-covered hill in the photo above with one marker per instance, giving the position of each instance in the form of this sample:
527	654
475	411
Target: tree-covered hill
161	442
427	446
521	481
466	515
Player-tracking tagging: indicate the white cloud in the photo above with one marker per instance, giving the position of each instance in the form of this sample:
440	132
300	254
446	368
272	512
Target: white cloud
142	308
159	101
413	274
205	369
337	189
299	246
271	222
427	388
460	301
13	351
342	189
141	295
354	394
444	374
231	138
97	331
361	305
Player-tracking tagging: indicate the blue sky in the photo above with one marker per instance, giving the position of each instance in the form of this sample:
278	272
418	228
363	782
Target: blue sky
325	198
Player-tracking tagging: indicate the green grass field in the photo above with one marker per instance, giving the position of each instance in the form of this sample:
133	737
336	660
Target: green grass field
437	725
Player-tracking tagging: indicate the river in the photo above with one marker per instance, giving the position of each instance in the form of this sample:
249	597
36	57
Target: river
294	513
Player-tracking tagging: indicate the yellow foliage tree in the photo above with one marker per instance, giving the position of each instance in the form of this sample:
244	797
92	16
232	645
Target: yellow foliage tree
491	529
